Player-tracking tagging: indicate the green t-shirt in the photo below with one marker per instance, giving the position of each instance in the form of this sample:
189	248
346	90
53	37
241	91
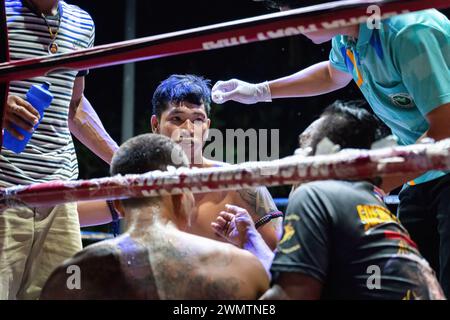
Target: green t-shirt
403	70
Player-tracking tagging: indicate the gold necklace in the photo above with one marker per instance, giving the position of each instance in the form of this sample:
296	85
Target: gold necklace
53	46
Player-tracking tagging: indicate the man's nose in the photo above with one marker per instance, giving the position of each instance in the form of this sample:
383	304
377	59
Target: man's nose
188	125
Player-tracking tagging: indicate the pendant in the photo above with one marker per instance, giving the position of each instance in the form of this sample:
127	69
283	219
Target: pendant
53	48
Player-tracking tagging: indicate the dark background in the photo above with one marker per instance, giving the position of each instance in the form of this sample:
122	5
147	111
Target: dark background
254	63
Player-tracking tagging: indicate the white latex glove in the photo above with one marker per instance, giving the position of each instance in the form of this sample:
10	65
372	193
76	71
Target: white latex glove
241	91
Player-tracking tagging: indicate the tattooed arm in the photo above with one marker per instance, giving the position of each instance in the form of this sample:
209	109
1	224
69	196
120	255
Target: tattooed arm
259	203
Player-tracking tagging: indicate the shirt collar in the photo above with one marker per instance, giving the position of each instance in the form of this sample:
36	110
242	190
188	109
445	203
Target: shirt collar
365	34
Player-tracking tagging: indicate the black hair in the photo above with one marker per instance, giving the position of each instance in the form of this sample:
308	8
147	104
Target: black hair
178	88
350	125
144	153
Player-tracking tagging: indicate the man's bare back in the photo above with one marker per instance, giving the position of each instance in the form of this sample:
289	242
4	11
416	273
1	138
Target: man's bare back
169	264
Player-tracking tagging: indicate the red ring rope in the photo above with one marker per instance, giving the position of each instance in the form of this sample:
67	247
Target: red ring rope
348	164
415	158
237	32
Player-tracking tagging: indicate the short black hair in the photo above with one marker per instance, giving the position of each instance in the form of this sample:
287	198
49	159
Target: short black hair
177	88
144	153
350	125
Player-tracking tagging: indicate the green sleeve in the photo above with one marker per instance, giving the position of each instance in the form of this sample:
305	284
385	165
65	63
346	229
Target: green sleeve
422	55
337	60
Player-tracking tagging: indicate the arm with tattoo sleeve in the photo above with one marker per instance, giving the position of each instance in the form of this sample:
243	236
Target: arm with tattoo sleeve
261	204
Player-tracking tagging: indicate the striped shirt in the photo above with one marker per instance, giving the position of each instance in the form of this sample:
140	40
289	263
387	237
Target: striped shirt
50	154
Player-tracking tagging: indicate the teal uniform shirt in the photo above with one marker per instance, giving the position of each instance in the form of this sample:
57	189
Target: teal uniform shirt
403	70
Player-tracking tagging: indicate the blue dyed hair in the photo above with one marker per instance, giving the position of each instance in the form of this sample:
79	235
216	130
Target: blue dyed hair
178	88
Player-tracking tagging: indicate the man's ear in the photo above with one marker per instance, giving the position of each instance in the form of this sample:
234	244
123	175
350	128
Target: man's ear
154	124
180	211
177	201
119	207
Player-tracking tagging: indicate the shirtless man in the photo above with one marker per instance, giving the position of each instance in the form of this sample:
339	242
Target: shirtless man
178	103
181	106
155	258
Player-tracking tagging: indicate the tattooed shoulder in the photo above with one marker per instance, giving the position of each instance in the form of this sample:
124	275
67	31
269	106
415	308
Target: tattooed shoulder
261	200
196	276
258	198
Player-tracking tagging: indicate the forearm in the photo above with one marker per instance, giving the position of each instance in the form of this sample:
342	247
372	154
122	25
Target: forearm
86	126
318	79
259	203
270	234
392	182
256	245
93	213
438	124
435	134
438	130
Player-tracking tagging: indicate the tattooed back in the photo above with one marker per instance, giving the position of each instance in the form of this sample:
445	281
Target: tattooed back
169	264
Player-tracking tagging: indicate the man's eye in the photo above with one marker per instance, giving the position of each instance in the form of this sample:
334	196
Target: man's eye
175	119
200	120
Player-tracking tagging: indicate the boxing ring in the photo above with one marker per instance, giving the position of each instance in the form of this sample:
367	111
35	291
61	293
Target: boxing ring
347	164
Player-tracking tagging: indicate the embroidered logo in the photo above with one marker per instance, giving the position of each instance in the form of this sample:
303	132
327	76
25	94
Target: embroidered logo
77	45
402	100
287	246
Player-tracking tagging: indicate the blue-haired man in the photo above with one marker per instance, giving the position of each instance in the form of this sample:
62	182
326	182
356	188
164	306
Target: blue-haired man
181	106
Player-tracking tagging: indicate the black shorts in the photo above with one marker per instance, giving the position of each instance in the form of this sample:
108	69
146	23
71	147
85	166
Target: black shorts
425	212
